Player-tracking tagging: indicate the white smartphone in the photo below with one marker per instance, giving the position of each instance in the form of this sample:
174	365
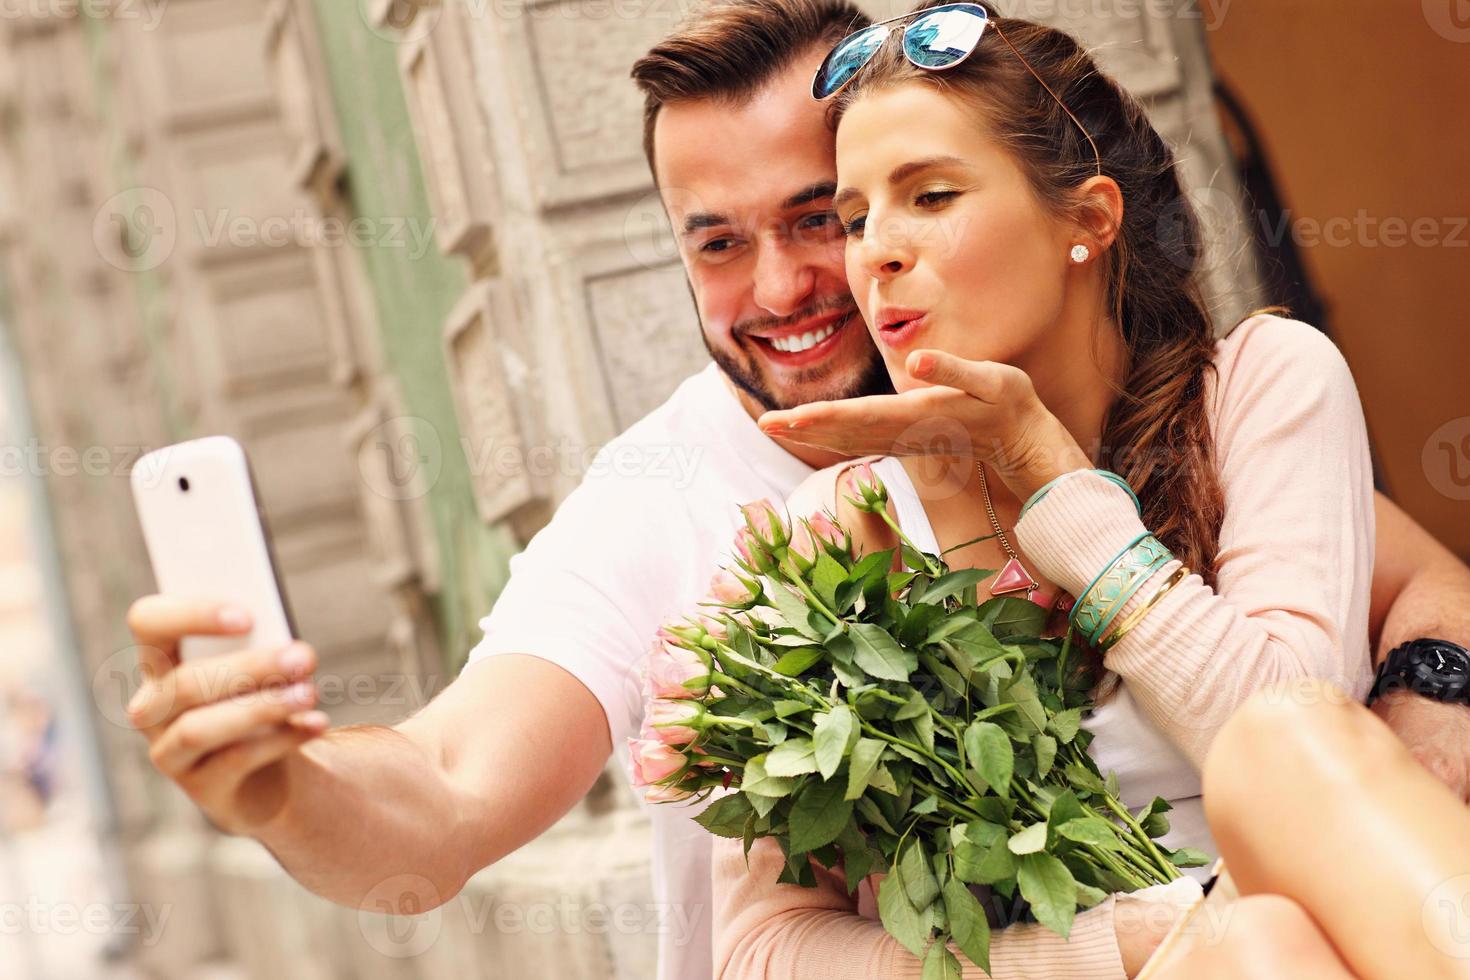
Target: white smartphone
207	538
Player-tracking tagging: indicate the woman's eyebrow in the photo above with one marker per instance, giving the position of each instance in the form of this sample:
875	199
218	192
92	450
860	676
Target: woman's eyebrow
900	173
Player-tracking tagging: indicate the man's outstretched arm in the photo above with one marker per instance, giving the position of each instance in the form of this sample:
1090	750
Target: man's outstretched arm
368	816
1420	589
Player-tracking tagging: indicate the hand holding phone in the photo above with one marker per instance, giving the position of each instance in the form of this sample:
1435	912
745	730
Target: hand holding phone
226	690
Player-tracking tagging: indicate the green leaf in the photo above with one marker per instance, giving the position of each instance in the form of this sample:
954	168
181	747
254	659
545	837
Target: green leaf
914	707
1087	896
794	663
954	583
1064	808
1007	617
727	816
827	575
880	655
793	757
1028	841
793	610
1155	824
918	878
785	709
865	755
1091	830
818	815
967	923
1189	857
1064	724
898	915
756	780
859	859
1083	778
984	864
940	963
1052	891
831	738
1046	753
928	804
989	752
882	779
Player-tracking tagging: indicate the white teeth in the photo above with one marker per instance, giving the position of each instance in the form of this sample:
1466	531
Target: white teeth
795	345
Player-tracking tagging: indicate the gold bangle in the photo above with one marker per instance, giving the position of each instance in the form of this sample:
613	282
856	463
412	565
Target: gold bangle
1137	615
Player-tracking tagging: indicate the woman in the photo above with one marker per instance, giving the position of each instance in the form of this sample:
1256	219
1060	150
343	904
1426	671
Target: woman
1008	203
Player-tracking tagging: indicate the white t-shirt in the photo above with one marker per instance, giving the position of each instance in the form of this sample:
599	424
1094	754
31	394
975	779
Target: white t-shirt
635	544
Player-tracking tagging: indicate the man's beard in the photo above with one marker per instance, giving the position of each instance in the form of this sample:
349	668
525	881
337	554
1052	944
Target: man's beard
871	379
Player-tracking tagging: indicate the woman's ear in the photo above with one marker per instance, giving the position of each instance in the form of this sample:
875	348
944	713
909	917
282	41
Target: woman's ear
1099	212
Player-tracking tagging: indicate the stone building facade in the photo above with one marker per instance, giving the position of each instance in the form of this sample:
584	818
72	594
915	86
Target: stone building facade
407	251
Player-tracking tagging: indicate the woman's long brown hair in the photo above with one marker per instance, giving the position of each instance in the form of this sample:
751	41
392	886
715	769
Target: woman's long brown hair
1156	434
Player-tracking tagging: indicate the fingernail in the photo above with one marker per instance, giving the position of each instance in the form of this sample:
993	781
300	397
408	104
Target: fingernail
300	693
923	365
310	719
233	617
136	700
294	659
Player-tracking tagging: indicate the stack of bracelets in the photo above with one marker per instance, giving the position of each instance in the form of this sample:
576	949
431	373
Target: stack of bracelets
1098	606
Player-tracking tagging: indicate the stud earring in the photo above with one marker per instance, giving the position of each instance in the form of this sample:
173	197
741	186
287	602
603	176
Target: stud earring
1080	253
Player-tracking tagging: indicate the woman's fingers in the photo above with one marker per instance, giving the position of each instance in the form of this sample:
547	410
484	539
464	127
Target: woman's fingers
925	421
204	730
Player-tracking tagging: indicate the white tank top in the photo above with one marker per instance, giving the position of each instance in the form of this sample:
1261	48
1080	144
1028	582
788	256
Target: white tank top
1125	741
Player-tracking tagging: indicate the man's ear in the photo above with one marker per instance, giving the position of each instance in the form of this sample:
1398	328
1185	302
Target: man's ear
1099	211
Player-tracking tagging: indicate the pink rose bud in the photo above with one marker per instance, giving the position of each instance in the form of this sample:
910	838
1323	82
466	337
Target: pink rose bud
727	589
762	518
714	628
674	672
653	762
666	794
674	722
865	490
816	530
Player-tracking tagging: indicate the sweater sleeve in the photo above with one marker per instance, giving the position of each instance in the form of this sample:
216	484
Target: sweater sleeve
1295	560
764	930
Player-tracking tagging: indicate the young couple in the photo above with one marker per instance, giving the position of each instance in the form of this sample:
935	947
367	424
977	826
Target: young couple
983	236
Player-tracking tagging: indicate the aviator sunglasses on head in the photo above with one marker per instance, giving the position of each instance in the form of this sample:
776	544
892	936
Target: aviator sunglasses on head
935	39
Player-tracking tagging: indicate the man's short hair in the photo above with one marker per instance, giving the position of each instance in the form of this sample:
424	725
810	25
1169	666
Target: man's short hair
730	50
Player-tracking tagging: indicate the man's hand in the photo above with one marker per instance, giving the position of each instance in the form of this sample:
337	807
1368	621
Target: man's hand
220	726
1436	734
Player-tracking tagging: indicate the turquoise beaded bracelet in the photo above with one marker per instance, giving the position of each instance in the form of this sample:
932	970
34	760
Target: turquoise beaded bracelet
1108	475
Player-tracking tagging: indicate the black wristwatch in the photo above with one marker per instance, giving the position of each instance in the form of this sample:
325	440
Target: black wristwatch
1437	669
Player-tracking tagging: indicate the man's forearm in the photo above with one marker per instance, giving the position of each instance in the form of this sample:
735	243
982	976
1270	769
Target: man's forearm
1434	603
1419	587
369	820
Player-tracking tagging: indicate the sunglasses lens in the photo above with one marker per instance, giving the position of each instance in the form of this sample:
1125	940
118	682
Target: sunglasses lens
846	60
944	36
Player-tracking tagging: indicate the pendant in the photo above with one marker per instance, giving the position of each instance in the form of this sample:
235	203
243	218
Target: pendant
1014	578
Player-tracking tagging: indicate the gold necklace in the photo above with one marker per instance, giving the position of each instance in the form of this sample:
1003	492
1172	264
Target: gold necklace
1013	577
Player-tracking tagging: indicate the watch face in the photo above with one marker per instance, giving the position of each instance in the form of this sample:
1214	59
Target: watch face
1443	661
1447	661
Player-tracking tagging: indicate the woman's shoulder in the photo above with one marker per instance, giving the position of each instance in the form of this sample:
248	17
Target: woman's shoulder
1278	359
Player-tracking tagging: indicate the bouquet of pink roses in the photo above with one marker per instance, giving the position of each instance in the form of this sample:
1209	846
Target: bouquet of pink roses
871	712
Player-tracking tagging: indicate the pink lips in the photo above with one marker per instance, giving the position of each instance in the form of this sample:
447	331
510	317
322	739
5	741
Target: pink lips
897	326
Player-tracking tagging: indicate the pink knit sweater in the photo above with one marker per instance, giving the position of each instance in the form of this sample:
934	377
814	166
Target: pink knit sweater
1293	579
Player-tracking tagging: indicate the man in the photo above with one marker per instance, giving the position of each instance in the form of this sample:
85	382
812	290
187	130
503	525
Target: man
746	166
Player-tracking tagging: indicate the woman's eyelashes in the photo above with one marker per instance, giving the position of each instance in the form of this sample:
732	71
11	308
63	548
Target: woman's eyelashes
934	200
